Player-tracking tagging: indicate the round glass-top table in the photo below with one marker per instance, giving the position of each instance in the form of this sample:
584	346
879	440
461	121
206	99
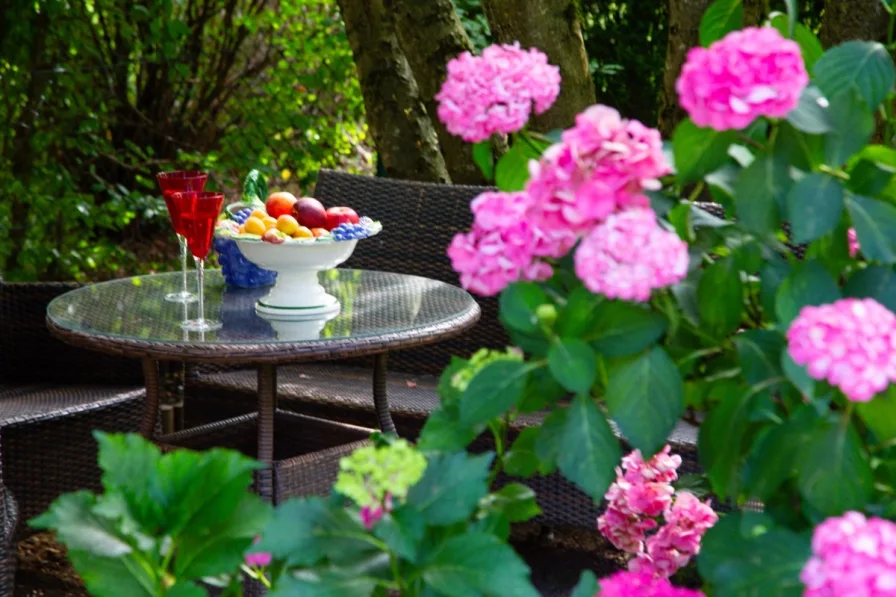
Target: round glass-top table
380	311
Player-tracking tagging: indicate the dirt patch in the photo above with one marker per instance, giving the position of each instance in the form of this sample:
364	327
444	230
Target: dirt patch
44	570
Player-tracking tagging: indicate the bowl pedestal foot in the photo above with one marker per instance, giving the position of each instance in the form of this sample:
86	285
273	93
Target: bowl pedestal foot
297	295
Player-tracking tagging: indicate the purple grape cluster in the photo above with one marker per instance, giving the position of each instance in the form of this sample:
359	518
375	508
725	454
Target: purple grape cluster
242	215
346	231
239	271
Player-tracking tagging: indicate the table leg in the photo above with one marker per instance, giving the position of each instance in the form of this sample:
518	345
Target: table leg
267	404
151	405
380	397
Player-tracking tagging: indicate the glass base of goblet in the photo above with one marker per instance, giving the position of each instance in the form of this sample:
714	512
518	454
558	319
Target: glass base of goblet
201	325
182	297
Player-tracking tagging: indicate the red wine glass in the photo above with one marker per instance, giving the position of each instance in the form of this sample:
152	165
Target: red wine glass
172	182
198	213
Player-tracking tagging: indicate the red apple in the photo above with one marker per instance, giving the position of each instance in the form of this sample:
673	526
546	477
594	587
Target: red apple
279	204
310	213
341	215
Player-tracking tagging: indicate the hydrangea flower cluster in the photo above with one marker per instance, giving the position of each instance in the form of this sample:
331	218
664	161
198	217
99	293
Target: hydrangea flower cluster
643	492
852	555
851	343
747	74
479	360
629	255
499	248
852	240
496	92
640	584
602	165
375	477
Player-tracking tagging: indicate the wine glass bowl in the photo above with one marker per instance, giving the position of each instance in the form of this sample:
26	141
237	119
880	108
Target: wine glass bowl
172	182
198	212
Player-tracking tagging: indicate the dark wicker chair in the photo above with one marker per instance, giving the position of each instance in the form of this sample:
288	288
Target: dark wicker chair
52	396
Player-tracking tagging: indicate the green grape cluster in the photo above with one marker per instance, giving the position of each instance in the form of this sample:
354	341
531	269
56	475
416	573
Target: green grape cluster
478	361
369	474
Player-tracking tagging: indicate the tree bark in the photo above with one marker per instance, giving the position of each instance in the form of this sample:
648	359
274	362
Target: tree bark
844	20
553	27
755	12
684	25
402	130
430	34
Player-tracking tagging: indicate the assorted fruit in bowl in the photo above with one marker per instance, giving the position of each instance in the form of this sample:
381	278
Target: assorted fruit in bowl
283	218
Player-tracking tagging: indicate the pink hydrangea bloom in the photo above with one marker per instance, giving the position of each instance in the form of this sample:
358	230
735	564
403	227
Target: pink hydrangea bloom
640	584
496	92
852	556
853	240
629	255
687	520
493	210
747	74
603	165
851	343
662	467
259	559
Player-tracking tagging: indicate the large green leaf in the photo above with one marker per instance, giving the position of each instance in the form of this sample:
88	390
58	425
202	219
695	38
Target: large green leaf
402	530
814	207
721	435
720	297
477	564
512	170
773	454
759	352
587	585
880	414
801	150
493	391
515	501
325	584
875	224
771	275
853	125
645	397
864	66
444	432
809	284
759	190
622	329
451	487
811	113
113	577
576	318
522	459
119	456
721	18
517	304
699	151
834	472
749	565
877	282
582	443
482	156
573	363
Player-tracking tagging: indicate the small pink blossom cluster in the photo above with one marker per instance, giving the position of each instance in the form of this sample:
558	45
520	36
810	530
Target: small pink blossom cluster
852	240
629	255
371	514
642	492
496	92
640	584
500	247
747	74
851	343
259	559
852	555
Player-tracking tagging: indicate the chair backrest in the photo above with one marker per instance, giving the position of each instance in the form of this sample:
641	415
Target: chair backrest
29	354
419	221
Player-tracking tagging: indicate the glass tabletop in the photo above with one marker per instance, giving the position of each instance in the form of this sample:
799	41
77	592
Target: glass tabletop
373	304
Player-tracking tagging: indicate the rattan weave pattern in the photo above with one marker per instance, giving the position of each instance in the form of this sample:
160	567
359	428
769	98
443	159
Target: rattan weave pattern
52	397
8	528
381	312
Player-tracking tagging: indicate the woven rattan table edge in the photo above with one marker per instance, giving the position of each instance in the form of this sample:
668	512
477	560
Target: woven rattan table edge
272	353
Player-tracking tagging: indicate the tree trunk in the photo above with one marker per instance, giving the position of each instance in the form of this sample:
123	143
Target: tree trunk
853	19
755	12
553	27
684	25
402	131
430	34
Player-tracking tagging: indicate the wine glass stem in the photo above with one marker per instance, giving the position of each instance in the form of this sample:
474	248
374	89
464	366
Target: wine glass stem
182	240
200	271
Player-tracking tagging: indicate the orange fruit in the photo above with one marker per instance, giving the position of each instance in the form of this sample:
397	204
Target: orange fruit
269	222
254	225
287	225
258	213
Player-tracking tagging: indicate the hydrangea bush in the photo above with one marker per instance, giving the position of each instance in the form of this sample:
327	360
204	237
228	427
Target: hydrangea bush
626	303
